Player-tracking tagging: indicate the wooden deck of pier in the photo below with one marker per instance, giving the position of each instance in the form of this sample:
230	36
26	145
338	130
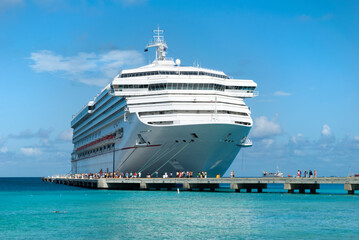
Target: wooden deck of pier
248	184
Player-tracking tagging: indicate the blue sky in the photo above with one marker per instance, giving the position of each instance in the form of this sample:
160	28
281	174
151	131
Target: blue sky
57	55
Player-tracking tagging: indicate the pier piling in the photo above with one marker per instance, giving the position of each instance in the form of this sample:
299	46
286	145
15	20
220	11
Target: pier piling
248	186
301	187
351	187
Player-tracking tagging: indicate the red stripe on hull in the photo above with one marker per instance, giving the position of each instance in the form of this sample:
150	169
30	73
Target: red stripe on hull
156	145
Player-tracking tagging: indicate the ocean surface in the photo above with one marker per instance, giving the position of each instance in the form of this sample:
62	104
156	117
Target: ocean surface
31	209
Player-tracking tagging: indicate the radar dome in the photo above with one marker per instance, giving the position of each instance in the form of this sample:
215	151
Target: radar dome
178	62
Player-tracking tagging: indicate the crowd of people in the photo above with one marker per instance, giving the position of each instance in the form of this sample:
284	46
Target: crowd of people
101	174
178	174
307	174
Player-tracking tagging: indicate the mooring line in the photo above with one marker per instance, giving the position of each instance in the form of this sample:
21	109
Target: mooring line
150	159
158	158
126	159
171	158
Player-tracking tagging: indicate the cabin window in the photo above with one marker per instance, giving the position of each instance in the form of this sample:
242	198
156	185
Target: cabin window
125	75
180	86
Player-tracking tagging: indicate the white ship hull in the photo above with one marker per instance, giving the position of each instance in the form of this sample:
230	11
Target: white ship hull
168	149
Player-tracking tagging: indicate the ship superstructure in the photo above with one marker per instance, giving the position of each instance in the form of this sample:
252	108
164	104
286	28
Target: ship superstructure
163	117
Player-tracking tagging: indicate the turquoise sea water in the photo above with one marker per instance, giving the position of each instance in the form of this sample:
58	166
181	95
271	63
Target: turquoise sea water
27	212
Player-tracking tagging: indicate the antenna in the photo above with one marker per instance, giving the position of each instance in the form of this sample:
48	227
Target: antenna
158	37
159	43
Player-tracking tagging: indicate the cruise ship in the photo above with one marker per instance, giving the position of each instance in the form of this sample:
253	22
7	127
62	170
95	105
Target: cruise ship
163	117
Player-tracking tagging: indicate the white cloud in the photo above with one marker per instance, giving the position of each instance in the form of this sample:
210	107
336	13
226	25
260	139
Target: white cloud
66	135
114	60
281	93
6	4
326	131
264	128
329	155
327	140
3	150
41	133
296	139
29	151
267	142
88	68
47	61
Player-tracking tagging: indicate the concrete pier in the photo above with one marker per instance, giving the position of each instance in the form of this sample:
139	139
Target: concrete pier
210	184
301	187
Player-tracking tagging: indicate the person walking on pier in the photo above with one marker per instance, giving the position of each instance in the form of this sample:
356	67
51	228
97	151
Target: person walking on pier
315	173
310	174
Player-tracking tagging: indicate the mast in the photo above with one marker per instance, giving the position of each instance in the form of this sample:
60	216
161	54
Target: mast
159	43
